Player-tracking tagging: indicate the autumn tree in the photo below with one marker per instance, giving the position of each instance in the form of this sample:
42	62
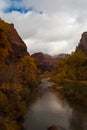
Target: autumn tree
27	70
75	64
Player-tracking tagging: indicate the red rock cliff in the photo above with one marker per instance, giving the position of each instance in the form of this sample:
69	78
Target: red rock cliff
12	47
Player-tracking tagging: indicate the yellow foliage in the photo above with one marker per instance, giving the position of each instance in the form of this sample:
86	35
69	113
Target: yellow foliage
75	65
27	70
72	67
15	82
10	124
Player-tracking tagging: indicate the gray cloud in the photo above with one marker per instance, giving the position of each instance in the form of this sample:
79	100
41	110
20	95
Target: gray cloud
56	30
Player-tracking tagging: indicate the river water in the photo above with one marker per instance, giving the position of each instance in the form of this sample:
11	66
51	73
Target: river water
50	109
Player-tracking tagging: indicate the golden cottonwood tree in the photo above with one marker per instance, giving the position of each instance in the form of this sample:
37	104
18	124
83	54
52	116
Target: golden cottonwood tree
75	65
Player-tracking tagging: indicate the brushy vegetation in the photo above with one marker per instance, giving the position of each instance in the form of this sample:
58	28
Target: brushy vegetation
72	90
18	83
70	74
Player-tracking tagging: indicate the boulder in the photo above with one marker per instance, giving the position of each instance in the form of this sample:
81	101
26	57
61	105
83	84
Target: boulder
53	127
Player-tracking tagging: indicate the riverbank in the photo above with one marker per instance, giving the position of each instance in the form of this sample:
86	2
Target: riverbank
51	109
72	90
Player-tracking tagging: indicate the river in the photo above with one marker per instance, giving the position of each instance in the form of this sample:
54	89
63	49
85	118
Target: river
50	109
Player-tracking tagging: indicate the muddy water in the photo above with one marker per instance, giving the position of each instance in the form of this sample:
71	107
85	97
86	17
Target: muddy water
50	109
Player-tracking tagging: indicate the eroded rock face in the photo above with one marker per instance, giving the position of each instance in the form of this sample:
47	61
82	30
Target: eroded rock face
83	43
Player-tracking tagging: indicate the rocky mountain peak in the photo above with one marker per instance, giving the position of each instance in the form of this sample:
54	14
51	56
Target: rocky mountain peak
83	43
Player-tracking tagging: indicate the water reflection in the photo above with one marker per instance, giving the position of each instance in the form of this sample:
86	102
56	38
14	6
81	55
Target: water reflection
49	109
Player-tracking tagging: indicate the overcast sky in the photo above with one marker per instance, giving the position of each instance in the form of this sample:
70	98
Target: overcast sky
49	26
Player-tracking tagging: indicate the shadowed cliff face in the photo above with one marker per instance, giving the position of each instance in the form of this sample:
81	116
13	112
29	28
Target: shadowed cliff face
17	43
12	46
83	43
